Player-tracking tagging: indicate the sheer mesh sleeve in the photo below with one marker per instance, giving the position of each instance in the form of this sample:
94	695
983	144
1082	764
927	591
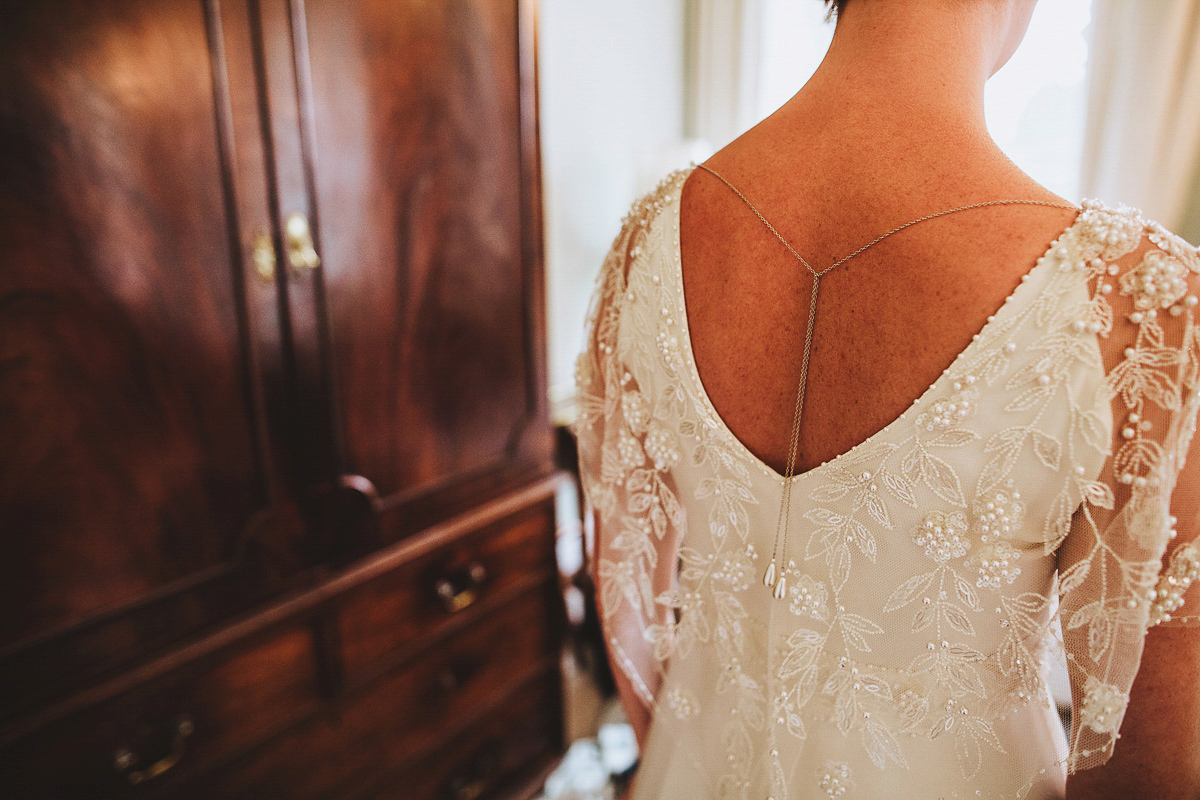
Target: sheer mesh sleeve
625	458
1129	558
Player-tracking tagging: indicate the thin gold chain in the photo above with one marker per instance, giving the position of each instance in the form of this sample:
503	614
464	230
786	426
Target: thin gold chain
771	577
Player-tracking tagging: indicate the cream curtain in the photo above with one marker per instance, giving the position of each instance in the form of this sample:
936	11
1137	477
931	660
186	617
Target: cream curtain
722	52
1142	145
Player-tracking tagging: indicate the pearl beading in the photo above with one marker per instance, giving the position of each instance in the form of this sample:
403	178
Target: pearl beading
836	779
1103	706
942	535
1158	282
944	414
1167	595
996	564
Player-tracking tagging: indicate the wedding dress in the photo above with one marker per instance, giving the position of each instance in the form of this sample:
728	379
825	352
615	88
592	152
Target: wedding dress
930	566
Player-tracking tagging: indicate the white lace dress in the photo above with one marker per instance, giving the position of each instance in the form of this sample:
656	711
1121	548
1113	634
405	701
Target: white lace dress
929	566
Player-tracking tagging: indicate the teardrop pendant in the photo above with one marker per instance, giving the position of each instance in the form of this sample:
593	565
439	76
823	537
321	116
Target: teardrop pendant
781	588
769	577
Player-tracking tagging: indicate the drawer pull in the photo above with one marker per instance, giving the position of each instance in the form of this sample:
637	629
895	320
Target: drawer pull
456	598
448	681
124	759
476	778
452	677
470	790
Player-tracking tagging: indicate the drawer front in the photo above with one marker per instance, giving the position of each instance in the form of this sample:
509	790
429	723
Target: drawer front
405	713
381	620
491	759
148	739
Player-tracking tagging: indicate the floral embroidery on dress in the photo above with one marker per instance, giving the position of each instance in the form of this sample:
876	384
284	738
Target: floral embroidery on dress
920	594
835	780
681	703
1103	706
662	447
633	405
629	451
1158	282
808	596
1167	595
998	515
942	535
954	410
996	565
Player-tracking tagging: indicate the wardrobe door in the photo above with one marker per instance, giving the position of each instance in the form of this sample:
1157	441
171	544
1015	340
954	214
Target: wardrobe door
422	161
135	479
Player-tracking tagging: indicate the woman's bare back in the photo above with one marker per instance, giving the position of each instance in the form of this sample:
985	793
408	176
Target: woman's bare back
889	321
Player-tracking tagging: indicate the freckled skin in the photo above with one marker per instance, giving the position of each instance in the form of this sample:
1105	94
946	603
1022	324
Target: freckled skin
888	322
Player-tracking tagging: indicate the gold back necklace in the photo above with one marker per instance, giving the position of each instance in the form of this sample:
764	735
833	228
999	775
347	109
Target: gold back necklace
774	577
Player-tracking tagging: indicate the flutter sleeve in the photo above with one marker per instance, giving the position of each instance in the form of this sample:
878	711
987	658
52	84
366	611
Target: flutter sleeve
1130	559
625	461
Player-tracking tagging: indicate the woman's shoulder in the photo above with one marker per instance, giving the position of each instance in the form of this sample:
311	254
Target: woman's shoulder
650	206
1116	231
1144	281
634	241
1144	278
639	238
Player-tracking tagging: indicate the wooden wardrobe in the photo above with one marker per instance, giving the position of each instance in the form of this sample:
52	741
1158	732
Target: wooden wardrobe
276	476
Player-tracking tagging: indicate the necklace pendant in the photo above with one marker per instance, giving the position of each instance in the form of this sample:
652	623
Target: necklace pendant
780	588
769	577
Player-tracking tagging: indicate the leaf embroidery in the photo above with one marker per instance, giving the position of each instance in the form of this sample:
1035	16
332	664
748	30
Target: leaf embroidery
1034	427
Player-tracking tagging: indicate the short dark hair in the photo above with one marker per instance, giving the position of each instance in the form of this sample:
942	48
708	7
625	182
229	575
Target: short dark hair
835	7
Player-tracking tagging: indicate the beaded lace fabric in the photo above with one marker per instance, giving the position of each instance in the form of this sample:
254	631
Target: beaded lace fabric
1038	482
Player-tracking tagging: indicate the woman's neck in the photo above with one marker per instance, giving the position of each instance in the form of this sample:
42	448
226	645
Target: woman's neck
893	119
912	70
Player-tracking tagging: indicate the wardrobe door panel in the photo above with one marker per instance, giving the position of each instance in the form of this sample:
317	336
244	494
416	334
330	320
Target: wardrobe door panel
422	178
131	446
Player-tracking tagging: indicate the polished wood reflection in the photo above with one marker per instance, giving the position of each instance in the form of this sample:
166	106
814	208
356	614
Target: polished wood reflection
132	444
272	529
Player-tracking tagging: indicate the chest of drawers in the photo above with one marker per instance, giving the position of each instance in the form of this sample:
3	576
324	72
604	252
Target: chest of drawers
430	670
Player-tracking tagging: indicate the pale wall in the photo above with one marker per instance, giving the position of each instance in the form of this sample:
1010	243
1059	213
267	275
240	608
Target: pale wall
611	75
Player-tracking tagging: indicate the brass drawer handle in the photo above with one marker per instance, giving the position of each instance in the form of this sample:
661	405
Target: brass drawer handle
124	759
475	778
470	790
456	598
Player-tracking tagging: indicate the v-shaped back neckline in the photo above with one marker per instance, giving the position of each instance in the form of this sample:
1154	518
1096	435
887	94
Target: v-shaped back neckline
1026	283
